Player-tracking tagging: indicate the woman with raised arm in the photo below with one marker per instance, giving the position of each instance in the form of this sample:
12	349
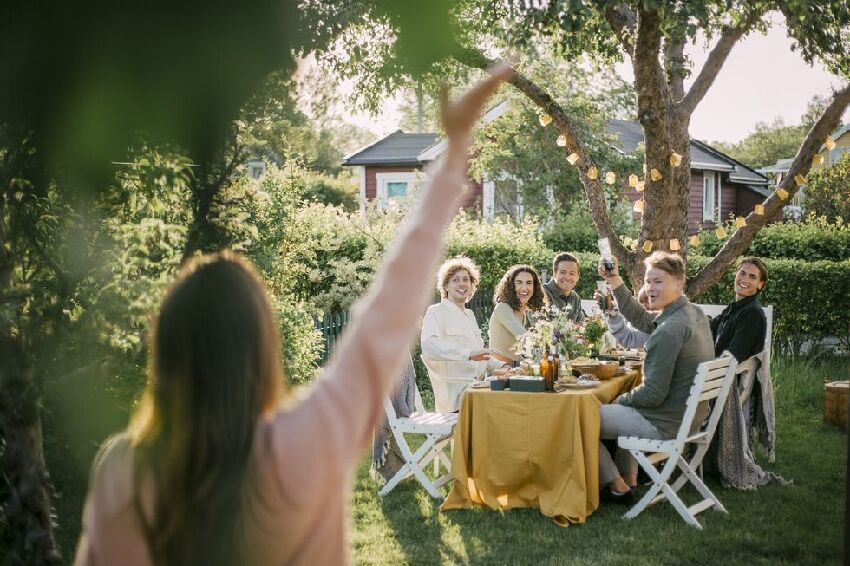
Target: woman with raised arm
212	470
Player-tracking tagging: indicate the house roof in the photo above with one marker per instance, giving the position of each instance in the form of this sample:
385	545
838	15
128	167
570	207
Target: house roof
629	135
781	166
398	148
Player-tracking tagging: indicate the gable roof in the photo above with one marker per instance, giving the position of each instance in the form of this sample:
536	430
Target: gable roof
629	135
398	148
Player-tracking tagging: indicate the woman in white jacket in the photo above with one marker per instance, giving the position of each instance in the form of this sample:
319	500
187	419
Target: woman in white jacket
452	346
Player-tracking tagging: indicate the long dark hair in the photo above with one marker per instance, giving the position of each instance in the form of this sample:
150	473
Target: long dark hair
214	370
506	292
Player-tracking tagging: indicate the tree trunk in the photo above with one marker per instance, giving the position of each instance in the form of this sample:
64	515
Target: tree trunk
28	509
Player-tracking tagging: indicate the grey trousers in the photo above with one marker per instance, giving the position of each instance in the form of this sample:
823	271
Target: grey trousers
619	420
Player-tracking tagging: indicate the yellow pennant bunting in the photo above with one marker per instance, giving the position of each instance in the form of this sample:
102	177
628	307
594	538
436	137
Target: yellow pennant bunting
641	186
759	209
740	222
799	179
593	173
610	177
829	143
562	140
647	246
674	245
694	241
573	158
633	180
782	194
545	120
720	233
675	159
818	160
655	175
638	207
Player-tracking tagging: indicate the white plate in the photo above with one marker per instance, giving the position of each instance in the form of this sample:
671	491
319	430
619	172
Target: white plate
582	385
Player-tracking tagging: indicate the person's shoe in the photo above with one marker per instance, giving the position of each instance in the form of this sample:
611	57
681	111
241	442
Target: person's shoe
608	496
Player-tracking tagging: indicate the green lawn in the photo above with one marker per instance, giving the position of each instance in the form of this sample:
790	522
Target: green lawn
798	524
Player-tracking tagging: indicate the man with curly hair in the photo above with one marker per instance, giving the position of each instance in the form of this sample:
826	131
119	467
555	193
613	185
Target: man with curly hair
452	346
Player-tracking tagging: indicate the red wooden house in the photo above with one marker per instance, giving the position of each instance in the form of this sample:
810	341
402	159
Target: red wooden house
720	185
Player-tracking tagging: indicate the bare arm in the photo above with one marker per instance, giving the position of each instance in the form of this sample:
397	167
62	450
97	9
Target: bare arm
330	429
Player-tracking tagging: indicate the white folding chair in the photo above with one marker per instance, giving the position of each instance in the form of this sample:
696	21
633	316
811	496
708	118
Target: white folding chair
713	381
437	429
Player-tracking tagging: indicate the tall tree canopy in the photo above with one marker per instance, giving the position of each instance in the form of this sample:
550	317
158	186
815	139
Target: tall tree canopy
649	34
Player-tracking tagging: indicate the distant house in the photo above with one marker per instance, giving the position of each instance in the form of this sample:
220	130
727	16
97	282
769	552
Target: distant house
825	157
720	186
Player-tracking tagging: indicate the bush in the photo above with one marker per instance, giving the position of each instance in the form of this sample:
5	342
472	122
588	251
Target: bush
810	299
813	239
574	231
827	193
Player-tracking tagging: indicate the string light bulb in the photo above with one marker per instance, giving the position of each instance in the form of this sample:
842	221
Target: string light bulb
610	177
655	174
759	209
694	241
740	222
562	141
675	159
674	245
799	179
638	207
720	233
829	143
573	158
593	173
647	246
633	180
545	119
782	194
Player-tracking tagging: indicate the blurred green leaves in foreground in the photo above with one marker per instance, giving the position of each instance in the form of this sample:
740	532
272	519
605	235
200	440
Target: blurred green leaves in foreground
87	77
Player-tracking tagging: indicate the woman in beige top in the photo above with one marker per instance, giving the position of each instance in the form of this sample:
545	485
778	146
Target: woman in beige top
517	297
212	470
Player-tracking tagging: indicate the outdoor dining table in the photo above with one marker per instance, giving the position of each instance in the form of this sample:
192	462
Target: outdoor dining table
516	449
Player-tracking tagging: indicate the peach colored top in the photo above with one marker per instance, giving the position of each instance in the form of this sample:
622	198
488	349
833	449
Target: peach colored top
301	466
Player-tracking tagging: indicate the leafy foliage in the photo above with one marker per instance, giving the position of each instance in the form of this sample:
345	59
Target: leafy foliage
828	191
816	238
573	231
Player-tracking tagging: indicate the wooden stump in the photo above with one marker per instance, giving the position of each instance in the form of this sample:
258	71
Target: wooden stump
836	403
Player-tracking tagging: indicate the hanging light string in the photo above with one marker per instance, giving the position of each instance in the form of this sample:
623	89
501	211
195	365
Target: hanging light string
656	175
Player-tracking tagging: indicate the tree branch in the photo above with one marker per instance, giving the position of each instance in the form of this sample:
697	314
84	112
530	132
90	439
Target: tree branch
592	187
716	59
674	63
623	23
742	238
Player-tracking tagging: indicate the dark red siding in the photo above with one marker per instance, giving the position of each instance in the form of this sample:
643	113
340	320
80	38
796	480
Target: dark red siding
473	200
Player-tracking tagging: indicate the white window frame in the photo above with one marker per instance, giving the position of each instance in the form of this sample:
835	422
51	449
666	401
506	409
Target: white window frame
488	197
384	179
708	206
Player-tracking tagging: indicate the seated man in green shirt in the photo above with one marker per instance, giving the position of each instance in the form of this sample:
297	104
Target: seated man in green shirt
680	339
559	289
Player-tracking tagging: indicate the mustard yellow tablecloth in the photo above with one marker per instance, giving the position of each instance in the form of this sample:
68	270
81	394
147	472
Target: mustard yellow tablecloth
531	450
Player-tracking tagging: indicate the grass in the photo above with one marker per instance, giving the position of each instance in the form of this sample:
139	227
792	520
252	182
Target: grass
798	524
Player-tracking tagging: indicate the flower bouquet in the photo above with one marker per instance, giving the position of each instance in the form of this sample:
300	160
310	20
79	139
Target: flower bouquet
554	327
